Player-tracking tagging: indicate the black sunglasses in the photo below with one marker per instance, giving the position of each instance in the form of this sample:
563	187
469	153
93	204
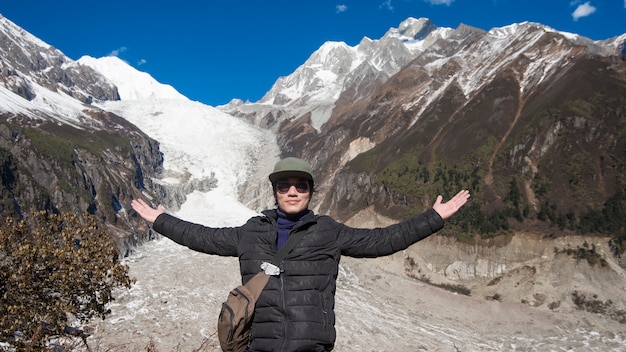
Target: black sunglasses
284	187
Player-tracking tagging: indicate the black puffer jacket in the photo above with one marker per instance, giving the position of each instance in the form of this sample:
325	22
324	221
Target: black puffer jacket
296	309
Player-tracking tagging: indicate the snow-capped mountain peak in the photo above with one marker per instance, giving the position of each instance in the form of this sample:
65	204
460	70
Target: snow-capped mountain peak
19	36
412	29
131	83
316	85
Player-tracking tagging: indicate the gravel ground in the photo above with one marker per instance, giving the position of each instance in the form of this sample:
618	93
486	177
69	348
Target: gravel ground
175	303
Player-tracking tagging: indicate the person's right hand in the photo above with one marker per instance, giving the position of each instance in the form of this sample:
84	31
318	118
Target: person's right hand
147	212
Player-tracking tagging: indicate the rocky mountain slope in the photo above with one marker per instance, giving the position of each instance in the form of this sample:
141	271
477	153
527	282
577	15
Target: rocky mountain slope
531	120
61	153
521	109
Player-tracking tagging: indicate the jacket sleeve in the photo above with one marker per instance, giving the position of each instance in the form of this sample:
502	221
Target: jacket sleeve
221	241
388	240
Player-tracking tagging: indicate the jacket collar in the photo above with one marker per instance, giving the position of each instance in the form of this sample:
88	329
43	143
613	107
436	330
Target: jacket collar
272	216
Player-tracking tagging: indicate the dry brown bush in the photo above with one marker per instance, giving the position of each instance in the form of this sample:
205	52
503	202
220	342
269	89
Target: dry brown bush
54	270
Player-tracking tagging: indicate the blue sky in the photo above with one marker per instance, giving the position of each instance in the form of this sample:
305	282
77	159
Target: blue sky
213	51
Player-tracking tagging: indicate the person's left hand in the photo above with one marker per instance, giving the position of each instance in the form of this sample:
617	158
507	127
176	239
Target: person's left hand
447	209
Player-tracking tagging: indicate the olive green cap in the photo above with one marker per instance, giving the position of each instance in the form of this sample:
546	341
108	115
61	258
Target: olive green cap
291	167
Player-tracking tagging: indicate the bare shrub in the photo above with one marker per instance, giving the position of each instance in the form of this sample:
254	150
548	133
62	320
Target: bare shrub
54	269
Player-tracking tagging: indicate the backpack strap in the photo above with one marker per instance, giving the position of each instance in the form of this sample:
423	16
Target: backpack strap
291	244
293	239
256	284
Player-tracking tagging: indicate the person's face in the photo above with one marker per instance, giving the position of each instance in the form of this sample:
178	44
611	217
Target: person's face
292	195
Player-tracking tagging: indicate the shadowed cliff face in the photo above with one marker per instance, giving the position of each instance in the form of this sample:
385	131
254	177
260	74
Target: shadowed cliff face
60	153
60	168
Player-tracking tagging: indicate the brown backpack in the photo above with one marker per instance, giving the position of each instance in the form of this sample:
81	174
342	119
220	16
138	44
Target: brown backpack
235	319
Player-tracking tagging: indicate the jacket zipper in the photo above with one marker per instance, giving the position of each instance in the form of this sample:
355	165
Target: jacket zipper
274	228
282	291
284	299
284	306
